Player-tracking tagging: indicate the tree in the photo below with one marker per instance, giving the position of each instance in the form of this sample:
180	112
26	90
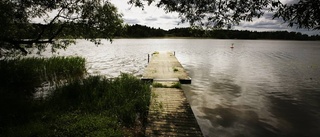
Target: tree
19	33
90	19
304	14
223	13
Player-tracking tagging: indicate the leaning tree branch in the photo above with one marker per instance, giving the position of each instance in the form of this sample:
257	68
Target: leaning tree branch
50	24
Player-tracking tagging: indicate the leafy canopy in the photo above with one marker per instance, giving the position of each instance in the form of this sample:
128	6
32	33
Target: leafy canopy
59	18
91	19
224	13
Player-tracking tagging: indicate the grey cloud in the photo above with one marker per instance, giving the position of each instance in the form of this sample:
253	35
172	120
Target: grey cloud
264	23
167	17
289	1
275	25
131	21
151	19
268	15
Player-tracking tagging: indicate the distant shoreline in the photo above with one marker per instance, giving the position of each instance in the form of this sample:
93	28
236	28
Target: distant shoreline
140	31
205	38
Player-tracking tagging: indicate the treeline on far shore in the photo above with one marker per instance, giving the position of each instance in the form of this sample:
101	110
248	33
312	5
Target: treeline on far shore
140	31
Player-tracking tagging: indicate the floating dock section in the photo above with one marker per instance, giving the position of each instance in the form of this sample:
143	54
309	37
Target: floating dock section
169	113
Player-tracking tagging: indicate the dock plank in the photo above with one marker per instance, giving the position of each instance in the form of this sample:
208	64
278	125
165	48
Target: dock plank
173	118
164	65
169	113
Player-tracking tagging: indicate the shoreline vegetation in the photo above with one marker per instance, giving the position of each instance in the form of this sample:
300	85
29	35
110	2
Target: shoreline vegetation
78	105
141	31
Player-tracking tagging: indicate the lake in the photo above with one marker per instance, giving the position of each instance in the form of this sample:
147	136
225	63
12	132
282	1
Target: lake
259	88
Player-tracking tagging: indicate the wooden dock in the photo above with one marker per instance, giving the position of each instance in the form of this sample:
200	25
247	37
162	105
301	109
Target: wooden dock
169	113
165	66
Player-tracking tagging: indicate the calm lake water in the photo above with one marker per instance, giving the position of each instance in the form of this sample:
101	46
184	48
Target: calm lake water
259	88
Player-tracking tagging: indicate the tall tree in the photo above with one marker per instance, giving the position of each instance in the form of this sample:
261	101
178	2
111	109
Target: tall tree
96	17
18	33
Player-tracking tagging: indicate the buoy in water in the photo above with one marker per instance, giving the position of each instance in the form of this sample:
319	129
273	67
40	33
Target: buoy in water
232	46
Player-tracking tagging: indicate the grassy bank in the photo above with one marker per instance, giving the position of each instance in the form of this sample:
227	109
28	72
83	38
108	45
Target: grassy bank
94	106
28	73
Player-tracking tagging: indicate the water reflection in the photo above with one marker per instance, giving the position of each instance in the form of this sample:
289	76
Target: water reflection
236	121
241	90
297	119
260	88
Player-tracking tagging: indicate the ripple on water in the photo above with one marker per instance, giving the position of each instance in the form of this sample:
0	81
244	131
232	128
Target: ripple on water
260	88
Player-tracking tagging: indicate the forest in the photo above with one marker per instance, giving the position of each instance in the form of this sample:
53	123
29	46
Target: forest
140	31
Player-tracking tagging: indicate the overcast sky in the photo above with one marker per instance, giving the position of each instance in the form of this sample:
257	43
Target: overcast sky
158	18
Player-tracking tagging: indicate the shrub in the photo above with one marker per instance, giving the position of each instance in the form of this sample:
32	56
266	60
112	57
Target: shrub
19	78
124	96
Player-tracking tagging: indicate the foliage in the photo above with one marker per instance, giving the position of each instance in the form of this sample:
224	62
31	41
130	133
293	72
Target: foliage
94	106
175	69
67	124
122	100
304	14
224	13
99	18
29	73
137	31
18	33
217	13
221	34
155	53
124	96
19	78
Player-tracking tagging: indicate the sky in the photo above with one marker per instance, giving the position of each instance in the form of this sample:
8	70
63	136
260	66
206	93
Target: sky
153	16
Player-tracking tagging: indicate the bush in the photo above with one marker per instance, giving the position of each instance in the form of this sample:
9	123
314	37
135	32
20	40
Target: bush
123	97
24	74
69	124
19	78
94	106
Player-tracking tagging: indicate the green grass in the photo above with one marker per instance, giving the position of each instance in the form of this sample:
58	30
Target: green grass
122	100
175	69
92	106
28	73
124	97
68	124
19	78
155	53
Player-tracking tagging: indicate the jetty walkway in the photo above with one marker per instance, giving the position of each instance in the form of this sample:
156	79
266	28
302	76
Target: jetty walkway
169	113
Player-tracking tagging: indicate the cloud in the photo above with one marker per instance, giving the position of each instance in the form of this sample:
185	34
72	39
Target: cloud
167	17
151	19
289	1
267	24
156	17
131	21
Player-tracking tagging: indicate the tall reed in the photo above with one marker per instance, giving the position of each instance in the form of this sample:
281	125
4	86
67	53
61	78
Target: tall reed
19	78
92	106
95	106
28	73
124	96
